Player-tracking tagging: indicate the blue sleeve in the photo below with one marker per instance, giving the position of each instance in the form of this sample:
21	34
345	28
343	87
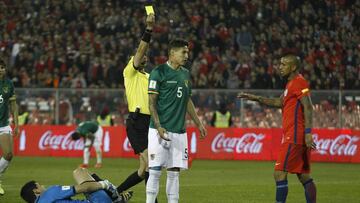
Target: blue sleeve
56	193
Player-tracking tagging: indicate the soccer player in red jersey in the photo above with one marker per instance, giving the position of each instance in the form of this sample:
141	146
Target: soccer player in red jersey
294	156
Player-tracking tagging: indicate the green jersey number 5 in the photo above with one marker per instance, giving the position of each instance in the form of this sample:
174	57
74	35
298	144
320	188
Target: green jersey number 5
179	92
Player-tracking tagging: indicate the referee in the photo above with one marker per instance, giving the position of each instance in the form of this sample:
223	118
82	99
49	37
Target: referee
137	124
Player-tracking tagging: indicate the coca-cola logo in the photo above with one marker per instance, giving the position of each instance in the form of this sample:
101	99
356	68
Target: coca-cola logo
341	145
249	143
127	146
59	142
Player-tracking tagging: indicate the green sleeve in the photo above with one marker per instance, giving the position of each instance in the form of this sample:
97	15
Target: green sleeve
154	81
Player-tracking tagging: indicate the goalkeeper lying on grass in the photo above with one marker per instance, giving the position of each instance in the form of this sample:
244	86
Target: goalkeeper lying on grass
95	190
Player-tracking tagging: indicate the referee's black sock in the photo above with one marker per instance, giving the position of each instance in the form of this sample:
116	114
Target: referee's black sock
146	176
146	179
130	181
96	177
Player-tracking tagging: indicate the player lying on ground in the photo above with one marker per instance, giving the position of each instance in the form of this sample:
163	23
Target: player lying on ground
95	190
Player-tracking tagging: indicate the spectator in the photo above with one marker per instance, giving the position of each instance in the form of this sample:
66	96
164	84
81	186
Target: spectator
87	34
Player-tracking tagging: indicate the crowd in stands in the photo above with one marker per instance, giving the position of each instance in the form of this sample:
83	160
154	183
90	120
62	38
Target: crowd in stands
235	43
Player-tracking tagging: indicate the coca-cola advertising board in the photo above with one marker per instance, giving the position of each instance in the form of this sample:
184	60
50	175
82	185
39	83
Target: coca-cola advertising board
335	145
46	140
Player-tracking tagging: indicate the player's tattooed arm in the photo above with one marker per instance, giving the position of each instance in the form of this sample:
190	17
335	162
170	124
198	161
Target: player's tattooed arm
308	110
153	111
191	111
274	102
15	113
155	116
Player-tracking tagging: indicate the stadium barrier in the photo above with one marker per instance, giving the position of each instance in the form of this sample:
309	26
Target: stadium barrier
333	145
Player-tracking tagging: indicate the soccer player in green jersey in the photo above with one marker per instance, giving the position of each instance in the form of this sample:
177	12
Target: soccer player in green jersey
92	134
7	98
169	100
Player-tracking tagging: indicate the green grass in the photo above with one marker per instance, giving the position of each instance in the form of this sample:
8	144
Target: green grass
206	181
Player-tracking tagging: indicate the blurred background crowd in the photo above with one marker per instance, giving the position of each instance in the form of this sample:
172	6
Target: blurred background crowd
235	44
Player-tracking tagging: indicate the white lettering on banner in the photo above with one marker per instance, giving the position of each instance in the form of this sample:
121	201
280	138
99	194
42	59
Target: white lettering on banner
249	143
341	145
127	146
193	143
107	142
22	144
56	142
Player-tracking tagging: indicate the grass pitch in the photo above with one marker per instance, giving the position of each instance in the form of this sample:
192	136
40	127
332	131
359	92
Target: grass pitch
206	181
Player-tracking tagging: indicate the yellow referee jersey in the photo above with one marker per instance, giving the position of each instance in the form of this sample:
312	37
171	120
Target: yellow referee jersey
136	86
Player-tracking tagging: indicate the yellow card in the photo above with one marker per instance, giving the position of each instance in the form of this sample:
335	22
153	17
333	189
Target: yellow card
149	10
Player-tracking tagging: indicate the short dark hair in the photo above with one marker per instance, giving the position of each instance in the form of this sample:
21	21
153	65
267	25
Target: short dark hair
75	135
294	60
27	192
177	43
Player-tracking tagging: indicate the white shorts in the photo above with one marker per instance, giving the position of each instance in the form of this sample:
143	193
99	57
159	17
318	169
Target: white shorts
168	154
6	130
97	140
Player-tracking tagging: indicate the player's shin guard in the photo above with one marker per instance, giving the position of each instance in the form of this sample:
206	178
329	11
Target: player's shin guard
281	191
172	186
152	186
310	191
3	165
86	155
98	154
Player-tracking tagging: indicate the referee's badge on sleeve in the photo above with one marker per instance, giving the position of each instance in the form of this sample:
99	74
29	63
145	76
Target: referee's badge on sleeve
152	84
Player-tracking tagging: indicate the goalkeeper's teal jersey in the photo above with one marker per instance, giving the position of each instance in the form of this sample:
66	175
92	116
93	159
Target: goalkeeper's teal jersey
174	90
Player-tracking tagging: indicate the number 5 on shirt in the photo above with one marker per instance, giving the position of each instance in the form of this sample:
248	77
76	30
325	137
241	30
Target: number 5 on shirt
179	92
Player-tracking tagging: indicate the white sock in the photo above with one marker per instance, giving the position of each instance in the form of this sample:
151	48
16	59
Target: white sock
152	186
3	165
86	155
98	154
172	186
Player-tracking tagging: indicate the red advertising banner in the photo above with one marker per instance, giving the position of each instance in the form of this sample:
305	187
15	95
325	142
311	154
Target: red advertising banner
45	140
337	145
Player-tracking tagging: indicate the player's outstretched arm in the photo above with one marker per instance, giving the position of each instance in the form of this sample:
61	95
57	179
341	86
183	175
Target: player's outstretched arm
144	43
308	109
274	102
15	113
155	116
191	111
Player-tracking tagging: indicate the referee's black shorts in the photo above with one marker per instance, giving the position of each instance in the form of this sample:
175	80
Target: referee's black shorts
137	128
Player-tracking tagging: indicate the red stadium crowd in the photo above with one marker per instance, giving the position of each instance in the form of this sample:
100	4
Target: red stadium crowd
235	43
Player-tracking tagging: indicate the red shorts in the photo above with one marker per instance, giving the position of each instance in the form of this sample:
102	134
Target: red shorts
293	158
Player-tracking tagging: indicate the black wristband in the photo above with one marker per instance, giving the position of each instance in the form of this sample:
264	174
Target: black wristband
147	36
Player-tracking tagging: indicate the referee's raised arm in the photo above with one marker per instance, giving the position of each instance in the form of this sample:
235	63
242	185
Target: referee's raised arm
144	43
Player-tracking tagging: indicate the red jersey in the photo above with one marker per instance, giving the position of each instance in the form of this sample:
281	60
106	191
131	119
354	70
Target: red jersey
293	111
